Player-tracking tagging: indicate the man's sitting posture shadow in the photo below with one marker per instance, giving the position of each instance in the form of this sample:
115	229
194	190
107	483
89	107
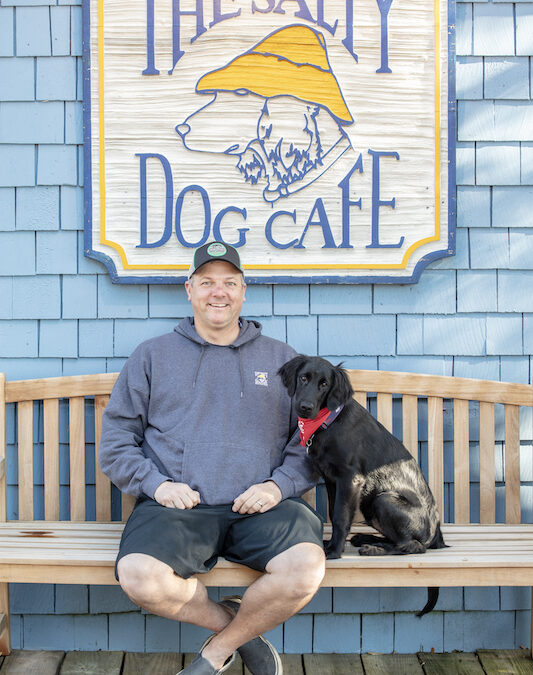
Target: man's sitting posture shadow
199	428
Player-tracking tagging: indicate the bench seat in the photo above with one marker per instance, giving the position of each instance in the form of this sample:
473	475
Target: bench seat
84	553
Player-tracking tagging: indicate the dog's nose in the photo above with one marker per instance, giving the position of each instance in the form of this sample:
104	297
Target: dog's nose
183	129
304	409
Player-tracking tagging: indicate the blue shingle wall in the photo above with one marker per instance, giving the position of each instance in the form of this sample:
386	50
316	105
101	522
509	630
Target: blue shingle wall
470	315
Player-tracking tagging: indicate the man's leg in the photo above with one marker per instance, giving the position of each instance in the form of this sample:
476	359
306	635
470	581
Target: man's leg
155	587
292	578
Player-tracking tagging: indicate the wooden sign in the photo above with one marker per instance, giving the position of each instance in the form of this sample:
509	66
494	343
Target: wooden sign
314	135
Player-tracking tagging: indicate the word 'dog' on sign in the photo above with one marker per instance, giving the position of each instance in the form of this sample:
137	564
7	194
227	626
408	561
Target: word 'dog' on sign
316	136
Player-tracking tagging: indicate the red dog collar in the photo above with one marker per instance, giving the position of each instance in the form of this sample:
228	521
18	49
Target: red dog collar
308	426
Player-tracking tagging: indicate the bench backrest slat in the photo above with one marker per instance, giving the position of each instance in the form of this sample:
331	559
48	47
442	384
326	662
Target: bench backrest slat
512	464
385	410
399	399
77	456
3	449
410	424
360	397
487	487
102	482
128	502
461	461
436	450
25	459
51	459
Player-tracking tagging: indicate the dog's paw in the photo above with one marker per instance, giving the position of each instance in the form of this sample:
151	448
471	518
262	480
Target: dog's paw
413	547
357	540
331	551
333	555
371	549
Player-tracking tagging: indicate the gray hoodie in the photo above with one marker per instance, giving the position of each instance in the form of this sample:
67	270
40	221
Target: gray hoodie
214	417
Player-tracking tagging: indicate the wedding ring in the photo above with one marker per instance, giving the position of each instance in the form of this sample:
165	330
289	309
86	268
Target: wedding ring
260	503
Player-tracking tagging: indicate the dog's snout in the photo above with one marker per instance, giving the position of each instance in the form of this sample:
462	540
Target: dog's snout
305	408
183	129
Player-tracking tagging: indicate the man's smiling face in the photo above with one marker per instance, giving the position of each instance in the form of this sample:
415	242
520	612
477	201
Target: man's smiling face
216	291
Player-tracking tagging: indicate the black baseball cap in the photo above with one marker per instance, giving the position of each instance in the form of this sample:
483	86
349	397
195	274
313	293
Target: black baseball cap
212	251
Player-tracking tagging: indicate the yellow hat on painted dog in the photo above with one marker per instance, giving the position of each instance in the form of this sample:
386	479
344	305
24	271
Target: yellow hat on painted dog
292	61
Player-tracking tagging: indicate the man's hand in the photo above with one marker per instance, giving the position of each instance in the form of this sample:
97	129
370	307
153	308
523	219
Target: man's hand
176	495
258	498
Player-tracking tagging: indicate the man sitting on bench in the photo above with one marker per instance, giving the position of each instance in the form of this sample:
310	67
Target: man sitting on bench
200	429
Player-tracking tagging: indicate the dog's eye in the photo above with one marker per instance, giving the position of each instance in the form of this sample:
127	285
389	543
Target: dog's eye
303	379
322	384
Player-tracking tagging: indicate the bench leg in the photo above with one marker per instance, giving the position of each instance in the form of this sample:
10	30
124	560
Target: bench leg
5	637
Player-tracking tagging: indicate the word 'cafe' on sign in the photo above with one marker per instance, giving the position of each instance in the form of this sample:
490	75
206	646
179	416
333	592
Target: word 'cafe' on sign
312	135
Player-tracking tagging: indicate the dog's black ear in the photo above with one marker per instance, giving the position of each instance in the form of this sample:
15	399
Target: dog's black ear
289	370
341	390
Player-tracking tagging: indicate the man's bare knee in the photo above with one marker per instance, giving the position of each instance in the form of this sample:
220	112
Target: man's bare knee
303	566
144	579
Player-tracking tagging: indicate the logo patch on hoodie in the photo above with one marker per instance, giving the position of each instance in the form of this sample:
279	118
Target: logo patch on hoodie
261	378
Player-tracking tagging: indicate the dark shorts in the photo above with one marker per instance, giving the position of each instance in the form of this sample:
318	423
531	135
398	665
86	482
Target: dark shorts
191	540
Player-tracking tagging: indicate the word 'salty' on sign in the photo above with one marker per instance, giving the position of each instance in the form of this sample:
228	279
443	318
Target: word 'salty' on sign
316	136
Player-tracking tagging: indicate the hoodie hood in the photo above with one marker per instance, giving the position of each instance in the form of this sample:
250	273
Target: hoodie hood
250	330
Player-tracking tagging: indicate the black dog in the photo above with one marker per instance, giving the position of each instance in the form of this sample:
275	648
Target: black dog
363	466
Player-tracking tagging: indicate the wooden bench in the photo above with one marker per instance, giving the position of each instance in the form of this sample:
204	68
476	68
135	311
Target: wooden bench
467	434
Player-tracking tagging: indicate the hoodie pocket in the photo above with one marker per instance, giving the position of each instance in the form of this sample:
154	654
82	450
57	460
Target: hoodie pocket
222	472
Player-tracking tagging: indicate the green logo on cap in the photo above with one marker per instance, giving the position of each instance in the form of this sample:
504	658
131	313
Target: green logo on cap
216	250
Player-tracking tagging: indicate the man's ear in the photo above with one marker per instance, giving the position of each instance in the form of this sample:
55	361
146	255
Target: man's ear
341	389
188	285
289	371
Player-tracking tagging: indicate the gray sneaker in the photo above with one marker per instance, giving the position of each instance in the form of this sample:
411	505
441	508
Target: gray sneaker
201	666
258	655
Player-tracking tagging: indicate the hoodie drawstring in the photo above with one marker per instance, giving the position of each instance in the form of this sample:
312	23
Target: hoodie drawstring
241	371
198	366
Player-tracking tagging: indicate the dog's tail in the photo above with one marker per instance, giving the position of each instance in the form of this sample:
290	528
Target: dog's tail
433	596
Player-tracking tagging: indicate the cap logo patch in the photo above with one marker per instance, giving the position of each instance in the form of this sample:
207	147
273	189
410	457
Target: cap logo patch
216	250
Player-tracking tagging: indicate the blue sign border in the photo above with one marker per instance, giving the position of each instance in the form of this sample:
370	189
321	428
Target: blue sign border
277	279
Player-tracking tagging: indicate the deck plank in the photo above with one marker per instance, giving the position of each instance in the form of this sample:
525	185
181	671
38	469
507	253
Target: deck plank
453	663
163	663
391	664
32	663
515	661
333	664
92	663
292	664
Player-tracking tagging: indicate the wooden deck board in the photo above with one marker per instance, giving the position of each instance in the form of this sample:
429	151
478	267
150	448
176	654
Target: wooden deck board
162	663
332	664
391	664
92	663
491	662
292	664
32	663
453	663
503	662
